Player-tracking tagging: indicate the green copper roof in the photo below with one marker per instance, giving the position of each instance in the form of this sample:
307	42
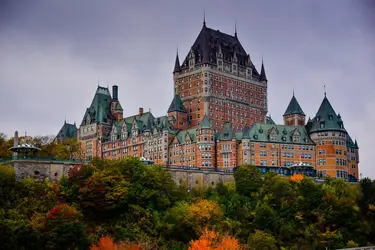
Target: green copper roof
67	131
99	111
269	120
177	105
227	133
118	106
293	107
326	119
350	143
246	132
205	123
282	133
182	135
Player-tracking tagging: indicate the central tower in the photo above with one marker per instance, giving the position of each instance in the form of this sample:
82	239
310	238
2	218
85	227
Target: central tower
218	79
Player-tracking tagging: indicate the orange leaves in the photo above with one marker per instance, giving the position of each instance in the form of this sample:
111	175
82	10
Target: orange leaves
106	243
62	210
210	240
296	178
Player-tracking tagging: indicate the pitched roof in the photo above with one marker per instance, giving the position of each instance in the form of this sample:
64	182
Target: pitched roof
294	107
326	118
284	134
99	110
118	106
177	105
226	133
67	131
269	120
246	132
209	42
205	123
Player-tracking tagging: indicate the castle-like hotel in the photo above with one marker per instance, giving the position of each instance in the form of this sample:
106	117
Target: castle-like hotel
217	120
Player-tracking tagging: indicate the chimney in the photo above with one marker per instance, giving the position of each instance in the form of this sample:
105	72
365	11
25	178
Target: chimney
15	142
140	112
115	92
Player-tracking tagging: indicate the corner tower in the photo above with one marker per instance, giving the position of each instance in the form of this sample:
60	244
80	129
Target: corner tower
294	115
332	141
218	78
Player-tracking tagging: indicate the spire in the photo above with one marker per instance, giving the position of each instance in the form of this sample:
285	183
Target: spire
325	91
235	28
204	18
263	76
177	67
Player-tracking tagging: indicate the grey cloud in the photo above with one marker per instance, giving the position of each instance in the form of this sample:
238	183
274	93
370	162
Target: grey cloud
52	53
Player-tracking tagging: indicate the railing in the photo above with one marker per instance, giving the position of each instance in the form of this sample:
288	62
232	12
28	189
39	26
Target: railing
45	159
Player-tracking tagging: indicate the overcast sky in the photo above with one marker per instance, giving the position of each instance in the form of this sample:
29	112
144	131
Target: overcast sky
53	52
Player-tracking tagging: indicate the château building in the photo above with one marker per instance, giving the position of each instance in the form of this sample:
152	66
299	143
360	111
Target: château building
217	120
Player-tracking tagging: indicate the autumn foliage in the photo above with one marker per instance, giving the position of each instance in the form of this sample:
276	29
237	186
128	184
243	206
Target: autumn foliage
296	178
210	240
106	243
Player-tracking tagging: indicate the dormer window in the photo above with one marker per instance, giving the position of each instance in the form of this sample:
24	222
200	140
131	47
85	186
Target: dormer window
322	125
318	119
330	117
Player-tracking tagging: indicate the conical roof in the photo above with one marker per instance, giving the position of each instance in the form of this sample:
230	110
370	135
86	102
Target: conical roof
177	67
326	118
263	76
293	107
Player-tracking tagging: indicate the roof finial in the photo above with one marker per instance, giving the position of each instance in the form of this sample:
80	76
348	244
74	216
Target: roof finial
325	91
107	84
293	92
98	81
235	28
204	17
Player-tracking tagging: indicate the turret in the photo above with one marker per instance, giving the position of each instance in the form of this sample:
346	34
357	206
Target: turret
177	111
205	146
294	115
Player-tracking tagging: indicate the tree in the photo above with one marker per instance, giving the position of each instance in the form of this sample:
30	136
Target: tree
64	229
106	243
103	192
210	240
248	180
261	240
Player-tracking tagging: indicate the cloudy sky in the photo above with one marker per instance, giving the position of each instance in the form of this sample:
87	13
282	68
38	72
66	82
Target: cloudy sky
52	54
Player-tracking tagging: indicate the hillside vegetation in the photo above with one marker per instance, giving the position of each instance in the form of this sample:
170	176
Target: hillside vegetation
127	205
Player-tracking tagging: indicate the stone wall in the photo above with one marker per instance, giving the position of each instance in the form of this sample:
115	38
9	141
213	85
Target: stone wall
195	178
40	170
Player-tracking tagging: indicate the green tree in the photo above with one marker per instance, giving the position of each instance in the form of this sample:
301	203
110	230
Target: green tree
260	240
248	180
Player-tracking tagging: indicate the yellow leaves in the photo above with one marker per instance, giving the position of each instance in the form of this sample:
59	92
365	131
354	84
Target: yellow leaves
297	178
371	207
202	212
210	240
